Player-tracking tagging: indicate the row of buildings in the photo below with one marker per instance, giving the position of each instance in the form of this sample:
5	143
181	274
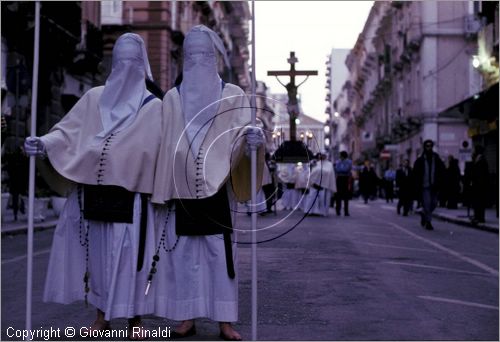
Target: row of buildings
419	70
76	40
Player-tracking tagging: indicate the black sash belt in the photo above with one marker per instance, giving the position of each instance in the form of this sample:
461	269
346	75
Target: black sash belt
207	216
317	187
228	247
109	203
142	234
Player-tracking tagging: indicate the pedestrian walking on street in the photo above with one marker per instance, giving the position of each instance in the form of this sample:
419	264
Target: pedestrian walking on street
429	177
287	176
203	170
302	184
452	179
389	178
322	186
404	182
368	182
105	151
343	169
269	184
17	170
479	185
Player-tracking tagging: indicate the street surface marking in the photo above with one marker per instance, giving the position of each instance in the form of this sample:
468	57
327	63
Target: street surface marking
374	234
436	268
22	257
398	247
455	301
446	250
387	207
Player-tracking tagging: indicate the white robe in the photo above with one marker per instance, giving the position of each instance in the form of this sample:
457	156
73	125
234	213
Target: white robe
260	203
75	154
192	280
301	184
317	202
116	287
289	197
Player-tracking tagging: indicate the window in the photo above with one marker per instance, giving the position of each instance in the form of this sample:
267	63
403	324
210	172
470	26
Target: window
111	12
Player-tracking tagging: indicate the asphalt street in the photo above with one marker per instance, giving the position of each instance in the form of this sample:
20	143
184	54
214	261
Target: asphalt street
371	276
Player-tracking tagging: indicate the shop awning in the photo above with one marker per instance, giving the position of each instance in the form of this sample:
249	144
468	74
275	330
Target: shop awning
481	106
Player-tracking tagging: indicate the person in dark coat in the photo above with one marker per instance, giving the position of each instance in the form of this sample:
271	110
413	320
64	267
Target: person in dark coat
270	188
429	176
368	182
479	184
17	169
388	182
404	182
452	183
343	172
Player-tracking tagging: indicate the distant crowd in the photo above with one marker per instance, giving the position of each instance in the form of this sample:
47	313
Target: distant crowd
425	184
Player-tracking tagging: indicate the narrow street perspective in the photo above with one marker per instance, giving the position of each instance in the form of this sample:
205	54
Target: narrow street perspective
249	170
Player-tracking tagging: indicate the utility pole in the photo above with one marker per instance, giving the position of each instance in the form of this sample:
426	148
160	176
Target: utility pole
291	88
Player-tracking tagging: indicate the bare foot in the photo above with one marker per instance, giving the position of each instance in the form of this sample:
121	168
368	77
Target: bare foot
228	333
136	331
100	323
185	329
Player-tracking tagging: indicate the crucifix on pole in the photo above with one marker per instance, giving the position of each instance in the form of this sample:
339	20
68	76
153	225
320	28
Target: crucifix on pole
291	88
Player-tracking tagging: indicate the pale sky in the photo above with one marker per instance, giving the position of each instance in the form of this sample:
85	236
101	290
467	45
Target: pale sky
311	29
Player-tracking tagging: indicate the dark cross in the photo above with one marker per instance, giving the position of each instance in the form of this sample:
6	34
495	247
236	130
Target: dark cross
291	88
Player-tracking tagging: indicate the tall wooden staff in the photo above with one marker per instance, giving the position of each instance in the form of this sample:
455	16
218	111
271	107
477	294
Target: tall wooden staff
31	188
253	182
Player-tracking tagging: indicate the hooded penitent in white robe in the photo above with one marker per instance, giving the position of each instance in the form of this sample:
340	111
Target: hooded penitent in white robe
317	200
288	175
192	280
302	174
110	137
203	150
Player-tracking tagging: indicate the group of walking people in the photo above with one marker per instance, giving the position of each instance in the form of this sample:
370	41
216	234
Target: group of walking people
314	187
432	179
143	175
430	182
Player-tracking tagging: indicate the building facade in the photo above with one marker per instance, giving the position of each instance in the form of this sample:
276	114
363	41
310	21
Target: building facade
309	130
69	62
163	25
411	62
336	76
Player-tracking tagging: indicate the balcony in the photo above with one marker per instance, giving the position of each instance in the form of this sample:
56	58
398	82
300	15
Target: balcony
404	128
398	66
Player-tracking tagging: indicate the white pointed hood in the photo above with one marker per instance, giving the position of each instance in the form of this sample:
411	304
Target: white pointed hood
201	87
125	88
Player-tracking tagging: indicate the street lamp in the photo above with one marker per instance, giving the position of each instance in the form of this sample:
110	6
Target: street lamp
475	61
336	114
309	136
278	137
